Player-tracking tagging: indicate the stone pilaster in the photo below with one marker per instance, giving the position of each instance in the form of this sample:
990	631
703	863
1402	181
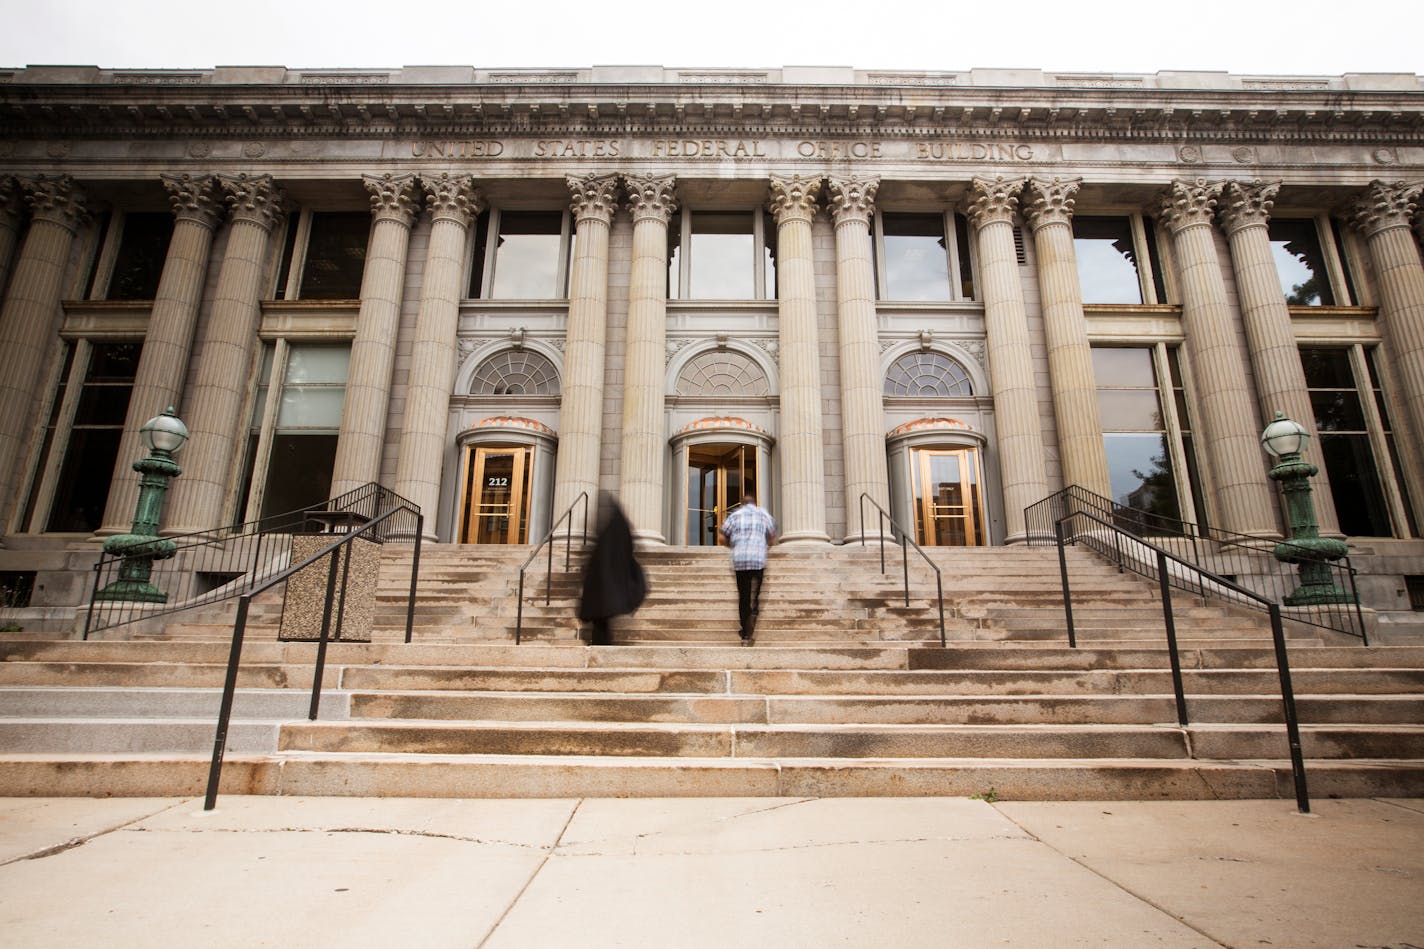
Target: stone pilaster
651	201
1229	426
395	203
221	375
1049	212
454	203
1382	214
168	343
1242	213
11	213
991	205
800	446
581	409
30	315
852	202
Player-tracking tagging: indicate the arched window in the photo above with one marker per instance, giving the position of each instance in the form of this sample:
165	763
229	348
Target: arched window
516	372
922	373
722	372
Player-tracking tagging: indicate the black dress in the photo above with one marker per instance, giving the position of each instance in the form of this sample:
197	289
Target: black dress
613	580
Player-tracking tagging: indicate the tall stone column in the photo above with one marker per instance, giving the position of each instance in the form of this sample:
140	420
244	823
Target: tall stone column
852	202
168	343
1242	213
221	375
800	446
1382	215
11	213
454	203
1230	429
394	206
651	201
1049	213
991	205
581	409
30	315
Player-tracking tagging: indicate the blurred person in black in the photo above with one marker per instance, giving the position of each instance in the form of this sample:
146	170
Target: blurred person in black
613	580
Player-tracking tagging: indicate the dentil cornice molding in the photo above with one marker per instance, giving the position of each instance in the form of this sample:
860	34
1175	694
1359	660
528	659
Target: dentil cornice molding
1050	201
852	199
1188	203
1246	203
1382	206
651	196
993	200
595	196
255	199
56	200
194	198
794	198
452	198
393	197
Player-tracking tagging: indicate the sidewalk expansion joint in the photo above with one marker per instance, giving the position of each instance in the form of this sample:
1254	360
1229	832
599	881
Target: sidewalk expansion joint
75	842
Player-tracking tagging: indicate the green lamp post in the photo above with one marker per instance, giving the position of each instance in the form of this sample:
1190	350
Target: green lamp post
163	435
1284	440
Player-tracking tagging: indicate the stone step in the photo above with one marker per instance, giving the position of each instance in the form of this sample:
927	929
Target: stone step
132	702
120	736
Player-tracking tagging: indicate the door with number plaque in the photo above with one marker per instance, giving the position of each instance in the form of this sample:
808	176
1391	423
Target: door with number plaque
497	493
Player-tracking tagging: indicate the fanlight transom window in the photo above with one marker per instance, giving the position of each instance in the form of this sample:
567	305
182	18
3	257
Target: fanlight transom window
927	374
516	372
722	372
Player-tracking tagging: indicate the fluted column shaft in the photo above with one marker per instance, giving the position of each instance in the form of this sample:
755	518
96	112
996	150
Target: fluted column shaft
1020	438
581	408
168	341
651	202
454	203
221	374
862	384
800	445
1242	213
1382	214
394	206
29	317
1070	356
11	213
1230	428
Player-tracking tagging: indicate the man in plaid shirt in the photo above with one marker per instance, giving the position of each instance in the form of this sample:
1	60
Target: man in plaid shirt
748	530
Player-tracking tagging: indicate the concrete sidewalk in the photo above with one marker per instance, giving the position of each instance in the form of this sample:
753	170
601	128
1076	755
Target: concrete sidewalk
352	872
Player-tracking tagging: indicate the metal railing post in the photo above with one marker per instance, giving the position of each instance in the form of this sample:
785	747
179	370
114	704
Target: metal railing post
1167	617
1063	572
325	631
1278	635
414	576
225	709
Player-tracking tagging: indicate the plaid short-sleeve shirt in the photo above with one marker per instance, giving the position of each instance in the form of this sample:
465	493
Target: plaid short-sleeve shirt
747	529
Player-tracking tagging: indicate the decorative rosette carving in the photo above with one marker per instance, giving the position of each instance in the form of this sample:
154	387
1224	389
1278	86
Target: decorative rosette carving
453	198
56	200
1243	203
793	198
853	199
393	197
1050	201
651	196
993	199
194	198
1187	203
595	196
1382	206
253	198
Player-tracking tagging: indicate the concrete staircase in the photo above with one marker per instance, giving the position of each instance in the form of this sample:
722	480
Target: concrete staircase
847	692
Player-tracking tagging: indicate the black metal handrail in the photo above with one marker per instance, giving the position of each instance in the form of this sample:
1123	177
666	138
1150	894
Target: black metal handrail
897	530
219	564
374	528
549	576
1244	559
1162	573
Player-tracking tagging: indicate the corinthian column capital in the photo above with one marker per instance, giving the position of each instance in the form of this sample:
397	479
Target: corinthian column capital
651	196
853	199
12	200
1246	203
453	198
393	197
793	198
993	199
1187	203
253	198
595	196
56	200
1382	206
194	198
1050	201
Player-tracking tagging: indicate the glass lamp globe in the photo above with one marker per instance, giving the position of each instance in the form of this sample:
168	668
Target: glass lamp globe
1284	436
165	432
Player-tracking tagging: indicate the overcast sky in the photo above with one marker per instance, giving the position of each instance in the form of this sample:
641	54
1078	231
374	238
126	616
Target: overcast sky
1284	37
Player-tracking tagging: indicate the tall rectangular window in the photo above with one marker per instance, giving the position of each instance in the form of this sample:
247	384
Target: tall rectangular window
82	489
131	256
922	257
324	255
1300	262
721	255
1108	259
521	255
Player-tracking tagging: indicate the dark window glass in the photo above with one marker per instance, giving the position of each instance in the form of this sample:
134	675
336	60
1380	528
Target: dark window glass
477	265
1300	263
916	263
83	486
768	252
299	471
1345	443
1383	408
142	250
336	255
289	246
1107	263
49	434
304	442
966	267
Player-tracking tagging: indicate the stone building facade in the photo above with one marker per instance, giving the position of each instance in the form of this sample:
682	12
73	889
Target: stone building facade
951	293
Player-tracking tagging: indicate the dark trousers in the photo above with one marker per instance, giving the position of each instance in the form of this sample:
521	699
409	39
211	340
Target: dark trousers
748	596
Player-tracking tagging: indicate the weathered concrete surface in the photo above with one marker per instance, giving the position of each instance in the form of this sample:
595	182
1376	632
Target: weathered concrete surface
354	872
